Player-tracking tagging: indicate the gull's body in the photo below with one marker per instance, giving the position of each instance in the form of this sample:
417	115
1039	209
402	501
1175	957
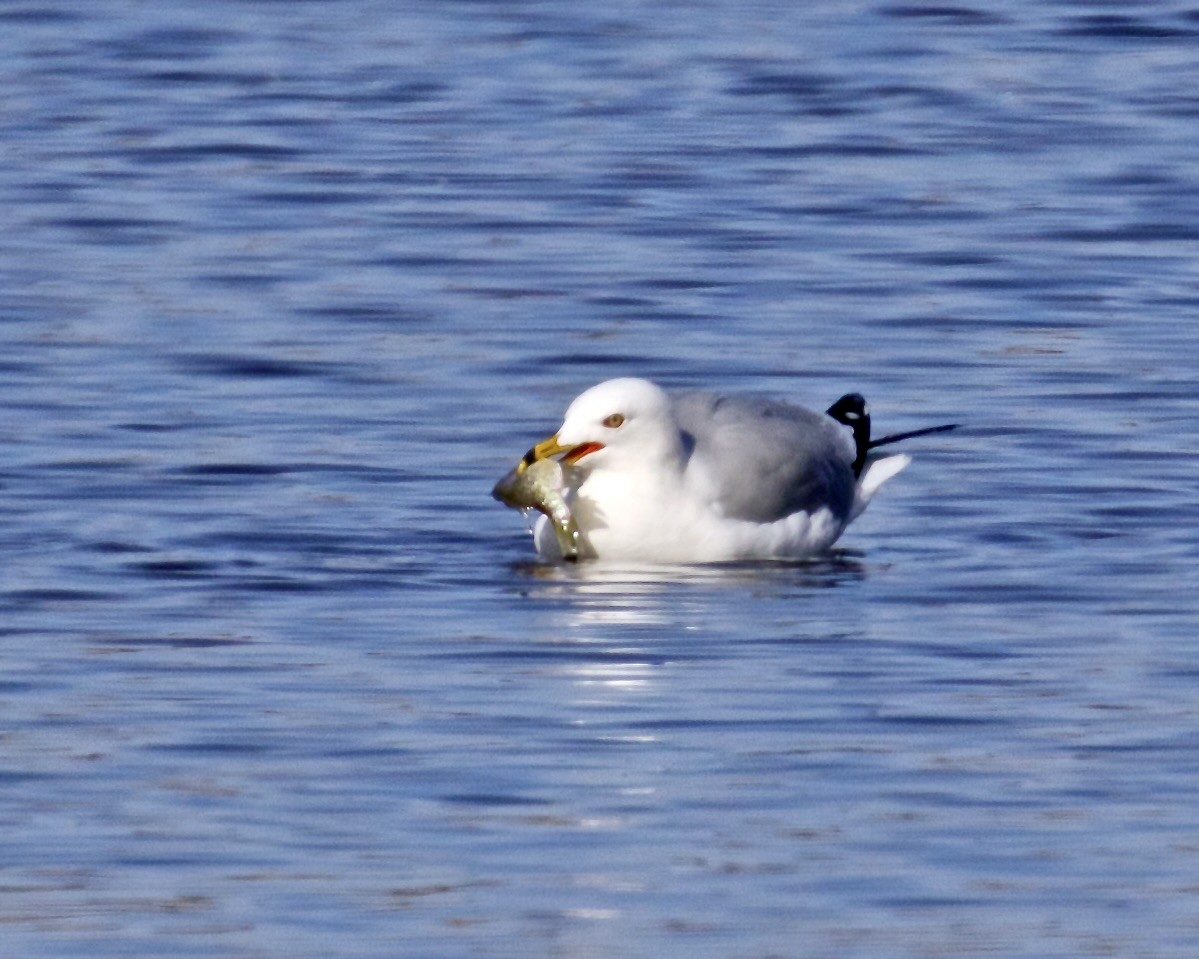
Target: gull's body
702	477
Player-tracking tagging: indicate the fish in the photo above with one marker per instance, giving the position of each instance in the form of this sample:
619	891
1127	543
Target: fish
542	484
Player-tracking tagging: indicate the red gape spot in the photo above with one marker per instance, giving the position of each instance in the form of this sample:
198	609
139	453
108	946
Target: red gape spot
576	454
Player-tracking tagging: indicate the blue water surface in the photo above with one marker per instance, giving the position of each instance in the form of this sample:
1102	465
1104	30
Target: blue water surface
284	288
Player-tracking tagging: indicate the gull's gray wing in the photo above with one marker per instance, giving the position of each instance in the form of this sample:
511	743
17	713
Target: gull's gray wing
761	460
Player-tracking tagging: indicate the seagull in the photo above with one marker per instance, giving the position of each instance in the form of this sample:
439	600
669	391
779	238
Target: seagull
703	477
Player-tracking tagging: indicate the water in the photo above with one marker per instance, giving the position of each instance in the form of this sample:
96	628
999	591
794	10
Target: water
284	288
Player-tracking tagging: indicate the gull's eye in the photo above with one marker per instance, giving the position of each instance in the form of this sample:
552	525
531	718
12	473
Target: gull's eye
613	421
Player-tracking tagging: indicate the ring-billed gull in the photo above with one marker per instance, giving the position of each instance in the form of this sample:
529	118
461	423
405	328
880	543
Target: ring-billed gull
702	477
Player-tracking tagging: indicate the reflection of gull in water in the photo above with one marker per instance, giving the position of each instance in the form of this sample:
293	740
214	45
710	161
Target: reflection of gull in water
608	594
624	641
701	478
626	675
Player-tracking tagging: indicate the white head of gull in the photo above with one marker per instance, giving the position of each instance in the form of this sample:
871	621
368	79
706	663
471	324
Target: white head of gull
702	477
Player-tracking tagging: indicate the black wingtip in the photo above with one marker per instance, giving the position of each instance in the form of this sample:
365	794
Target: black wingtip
851	410
896	437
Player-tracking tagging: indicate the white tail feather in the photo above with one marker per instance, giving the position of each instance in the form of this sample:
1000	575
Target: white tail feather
877	472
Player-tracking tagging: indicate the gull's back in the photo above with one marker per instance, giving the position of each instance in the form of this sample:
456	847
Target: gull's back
760	460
